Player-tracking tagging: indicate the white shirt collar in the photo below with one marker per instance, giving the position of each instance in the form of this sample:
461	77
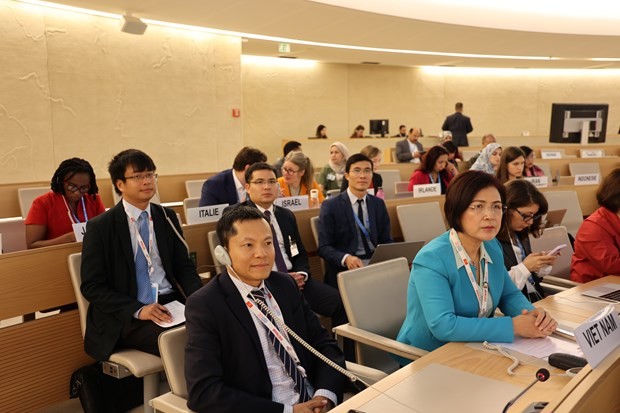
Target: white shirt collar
244	288
133	211
262	210
238	183
353	198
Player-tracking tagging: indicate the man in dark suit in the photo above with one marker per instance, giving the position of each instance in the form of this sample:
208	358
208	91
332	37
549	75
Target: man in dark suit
261	186
352	223
228	187
238	359
459	125
126	252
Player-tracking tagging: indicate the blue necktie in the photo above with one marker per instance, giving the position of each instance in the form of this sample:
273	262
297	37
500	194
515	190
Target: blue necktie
287	360
145	294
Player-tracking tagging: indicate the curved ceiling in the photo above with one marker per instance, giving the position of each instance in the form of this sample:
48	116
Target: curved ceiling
333	33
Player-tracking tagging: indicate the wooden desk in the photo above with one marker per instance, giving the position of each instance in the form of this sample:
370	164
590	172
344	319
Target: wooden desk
591	391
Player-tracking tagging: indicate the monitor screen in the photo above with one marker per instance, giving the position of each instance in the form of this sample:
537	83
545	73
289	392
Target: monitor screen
380	127
569	120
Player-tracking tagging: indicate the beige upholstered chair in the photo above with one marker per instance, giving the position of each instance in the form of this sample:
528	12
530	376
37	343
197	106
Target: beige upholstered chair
420	222
13	231
559	278
390	177
576	168
136	362
187	204
566	200
26	196
194	188
401	186
214	241
546	170
374	324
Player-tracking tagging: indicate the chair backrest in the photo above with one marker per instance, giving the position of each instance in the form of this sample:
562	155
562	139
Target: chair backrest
75	262
214	241
551	238
187	204
467	155
566	200
332	192
401	186
172	348
420	222
314	226
26	196
390	176
546	170
116	197
366	293
13	231
566	180
392	155
584	168
194	188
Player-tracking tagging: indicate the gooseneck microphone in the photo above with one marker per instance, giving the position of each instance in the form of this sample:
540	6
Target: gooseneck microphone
541	375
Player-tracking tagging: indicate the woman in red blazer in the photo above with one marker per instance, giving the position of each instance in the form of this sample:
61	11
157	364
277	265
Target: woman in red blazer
432	170
597	245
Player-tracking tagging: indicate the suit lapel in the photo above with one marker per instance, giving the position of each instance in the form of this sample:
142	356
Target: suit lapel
370	204
161	234
124	238
284	228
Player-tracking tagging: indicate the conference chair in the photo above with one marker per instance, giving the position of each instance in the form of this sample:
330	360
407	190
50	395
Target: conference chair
214	241
420	222
565	180
390	177
566	200
13	231
332	192
559	277
187	204
401	186
194	188
138	363
375	299
546	170
314	226
584	168
468	154
172	349
26	196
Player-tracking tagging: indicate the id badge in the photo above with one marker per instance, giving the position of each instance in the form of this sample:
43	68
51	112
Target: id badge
154	291
294	249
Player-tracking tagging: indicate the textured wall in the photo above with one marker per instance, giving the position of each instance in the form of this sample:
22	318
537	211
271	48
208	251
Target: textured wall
74	85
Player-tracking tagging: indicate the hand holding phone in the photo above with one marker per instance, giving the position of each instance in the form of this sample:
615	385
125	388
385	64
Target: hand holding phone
556	250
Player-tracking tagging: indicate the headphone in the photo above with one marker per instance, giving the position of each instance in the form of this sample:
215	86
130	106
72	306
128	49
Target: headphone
222	256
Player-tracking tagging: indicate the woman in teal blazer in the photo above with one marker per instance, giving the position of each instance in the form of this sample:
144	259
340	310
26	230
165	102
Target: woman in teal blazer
459	279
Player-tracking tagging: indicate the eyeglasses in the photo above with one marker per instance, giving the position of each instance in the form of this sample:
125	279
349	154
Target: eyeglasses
289	171
494	209
262	182
141	177
358	171
74	188
527	217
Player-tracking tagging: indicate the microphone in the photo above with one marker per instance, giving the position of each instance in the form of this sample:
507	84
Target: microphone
541	375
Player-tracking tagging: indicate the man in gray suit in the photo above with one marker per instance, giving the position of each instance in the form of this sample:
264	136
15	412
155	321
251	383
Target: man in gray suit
409	149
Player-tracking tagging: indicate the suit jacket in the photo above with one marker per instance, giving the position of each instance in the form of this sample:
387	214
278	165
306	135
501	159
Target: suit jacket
109	274
338	231
403	153
459	125
288	226
219	189
225	367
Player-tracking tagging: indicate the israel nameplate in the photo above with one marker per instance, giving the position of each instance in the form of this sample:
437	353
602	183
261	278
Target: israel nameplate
587	179
551	154
79	230
538	181
201	215
599	335
591	153
294	203
421	191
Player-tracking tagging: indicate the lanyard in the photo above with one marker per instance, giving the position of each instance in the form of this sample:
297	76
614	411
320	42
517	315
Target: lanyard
253	307
72	217
362	226
141	242
430	176
482	296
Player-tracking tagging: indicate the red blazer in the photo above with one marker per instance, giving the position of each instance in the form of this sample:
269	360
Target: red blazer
420	177
597	247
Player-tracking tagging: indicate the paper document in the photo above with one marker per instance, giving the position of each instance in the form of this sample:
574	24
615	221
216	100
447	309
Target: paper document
542	347
177	311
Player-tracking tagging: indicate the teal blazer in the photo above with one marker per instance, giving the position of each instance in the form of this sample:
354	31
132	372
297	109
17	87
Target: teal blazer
442	306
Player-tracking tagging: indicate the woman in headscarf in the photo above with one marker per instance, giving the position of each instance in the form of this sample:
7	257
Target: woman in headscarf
488	161
332	174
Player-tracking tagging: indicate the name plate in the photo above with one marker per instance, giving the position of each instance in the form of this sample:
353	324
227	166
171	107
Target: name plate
591	153
370	191
79	230
599	335
201	215
421	191
538	181
587	179
294	203
551	154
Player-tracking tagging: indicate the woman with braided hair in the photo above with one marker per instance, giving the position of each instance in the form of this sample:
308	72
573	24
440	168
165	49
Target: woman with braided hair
73	199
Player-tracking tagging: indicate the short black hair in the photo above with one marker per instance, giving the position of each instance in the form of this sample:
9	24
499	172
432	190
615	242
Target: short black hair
461	192
258	166
356	157
290	146
139	160
67	169
608	193
226	225
248	156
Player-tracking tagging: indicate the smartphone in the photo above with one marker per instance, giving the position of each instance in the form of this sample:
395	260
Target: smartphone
556	250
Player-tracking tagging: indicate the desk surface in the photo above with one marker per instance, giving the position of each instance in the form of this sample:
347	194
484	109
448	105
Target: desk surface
568	305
